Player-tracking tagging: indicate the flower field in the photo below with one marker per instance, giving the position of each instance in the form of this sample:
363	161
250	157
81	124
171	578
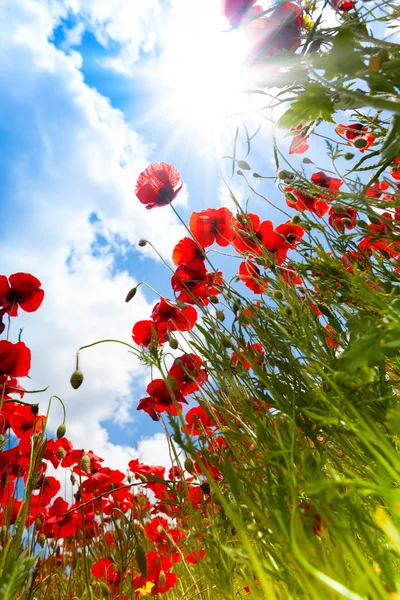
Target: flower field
275	378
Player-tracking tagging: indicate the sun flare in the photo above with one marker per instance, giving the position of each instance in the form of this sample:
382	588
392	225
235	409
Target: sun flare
201	75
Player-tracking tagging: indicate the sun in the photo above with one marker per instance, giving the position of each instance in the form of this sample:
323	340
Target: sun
200	74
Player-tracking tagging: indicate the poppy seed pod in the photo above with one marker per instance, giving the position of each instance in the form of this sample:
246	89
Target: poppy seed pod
76	379
348	155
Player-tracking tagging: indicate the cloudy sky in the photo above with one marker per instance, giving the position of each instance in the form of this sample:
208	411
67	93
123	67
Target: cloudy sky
92	92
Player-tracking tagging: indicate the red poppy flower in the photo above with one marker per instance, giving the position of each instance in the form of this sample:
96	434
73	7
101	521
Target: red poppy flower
300	200
331	340
167	316
376	190
273	241
212	225
384	247
299	145
104	570
290	233
280	31
194	283
253	352
338	213
387	224
21	289
237	10
250	274
15	359
10	385
73	459
395	170
156	186
343	5
23	420
356	131
137	467
144	332
48	488
186	250
289	275
100	481
155	564
350	259
56	450
188	373
198	421
163	396
245	239
195	556
329	183
59	523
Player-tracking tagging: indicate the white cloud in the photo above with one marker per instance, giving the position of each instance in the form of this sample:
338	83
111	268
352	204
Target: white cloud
72	154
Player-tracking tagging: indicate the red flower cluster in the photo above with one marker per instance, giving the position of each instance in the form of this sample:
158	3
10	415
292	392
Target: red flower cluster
165	318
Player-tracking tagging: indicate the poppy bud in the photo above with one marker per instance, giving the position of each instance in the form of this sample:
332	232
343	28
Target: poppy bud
142	243
361	223
256	175
288	311
214	299
162	579
360	143
142	477
236	306
278	295
104	590
348	155
85	464
307	161
173	343
141	559
220	315
61	452
61	429
243	165
72	479
239	173
42	540
375	219
189	466
296	219
76	379
282	174
131	294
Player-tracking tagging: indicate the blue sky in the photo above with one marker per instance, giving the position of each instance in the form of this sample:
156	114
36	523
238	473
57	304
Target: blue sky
90	96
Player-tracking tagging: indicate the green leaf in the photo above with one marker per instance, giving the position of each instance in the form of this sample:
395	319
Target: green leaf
315	103
391	143
15	576
344	58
